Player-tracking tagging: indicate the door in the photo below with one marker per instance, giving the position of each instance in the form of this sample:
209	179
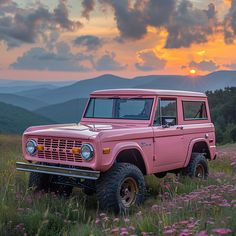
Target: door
168	136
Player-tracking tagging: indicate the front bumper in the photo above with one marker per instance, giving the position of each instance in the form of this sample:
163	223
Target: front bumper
56	170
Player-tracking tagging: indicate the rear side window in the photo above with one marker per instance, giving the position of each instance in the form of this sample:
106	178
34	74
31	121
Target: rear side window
194	110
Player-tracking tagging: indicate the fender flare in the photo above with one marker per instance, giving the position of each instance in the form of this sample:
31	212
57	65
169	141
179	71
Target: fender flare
190	148
130	145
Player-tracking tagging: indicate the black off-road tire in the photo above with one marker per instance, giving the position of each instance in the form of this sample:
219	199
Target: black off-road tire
39	182
197	161
111	184
43	182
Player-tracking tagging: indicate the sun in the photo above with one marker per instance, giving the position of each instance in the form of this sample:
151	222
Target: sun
192	72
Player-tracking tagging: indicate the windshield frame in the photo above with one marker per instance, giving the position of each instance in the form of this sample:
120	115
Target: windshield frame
119	120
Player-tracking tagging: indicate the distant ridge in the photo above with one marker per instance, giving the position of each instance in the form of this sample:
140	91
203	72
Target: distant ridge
20	101
67	112
83	88
15	119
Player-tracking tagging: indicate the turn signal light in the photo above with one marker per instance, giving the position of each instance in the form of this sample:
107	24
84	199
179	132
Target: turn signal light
106	150
40	147
76	150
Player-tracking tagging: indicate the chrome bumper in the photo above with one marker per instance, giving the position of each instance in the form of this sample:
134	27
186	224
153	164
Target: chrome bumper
55	170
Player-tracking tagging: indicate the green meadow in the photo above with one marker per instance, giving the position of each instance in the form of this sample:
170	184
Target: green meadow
174	205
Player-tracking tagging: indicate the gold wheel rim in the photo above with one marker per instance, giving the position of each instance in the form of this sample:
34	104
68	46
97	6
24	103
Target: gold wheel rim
128	191
200	172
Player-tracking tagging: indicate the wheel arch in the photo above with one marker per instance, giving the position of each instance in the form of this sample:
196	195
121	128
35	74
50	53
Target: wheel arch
133	155
198	146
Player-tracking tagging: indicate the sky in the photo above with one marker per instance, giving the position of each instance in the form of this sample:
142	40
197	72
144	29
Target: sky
79	39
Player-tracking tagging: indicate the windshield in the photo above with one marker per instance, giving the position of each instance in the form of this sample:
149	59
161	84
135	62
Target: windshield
119	108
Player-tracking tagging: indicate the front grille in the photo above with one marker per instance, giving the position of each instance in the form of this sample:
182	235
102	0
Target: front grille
59	149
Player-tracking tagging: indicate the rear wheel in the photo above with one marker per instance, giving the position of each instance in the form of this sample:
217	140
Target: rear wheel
120	188
197	167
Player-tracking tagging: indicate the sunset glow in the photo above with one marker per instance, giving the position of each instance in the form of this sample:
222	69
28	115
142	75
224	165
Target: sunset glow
70	41
192	72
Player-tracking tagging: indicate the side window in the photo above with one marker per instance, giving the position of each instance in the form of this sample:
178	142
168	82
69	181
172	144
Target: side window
166	113
194	110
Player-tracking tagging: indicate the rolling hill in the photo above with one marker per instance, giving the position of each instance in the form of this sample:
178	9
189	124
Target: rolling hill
81	89
15	119
67	112
17	86
20	101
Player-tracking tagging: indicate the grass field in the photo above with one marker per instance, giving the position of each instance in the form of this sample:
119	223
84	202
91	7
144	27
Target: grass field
174	206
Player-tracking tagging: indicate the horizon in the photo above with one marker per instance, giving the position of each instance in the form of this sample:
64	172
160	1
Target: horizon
65	81
65	40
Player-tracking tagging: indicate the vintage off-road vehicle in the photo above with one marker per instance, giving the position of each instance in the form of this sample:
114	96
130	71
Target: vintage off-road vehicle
123	135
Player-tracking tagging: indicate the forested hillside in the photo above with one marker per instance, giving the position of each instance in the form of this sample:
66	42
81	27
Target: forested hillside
223	112
15	119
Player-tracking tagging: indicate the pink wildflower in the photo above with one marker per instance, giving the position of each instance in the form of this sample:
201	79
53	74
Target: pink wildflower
202	233
222	231
126	220
116	220
124	233
169	231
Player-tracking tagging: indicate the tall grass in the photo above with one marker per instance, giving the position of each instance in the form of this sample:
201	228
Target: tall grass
174	206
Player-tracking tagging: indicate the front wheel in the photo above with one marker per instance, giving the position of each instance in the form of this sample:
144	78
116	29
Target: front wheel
120	188
44	182
197	167
39	182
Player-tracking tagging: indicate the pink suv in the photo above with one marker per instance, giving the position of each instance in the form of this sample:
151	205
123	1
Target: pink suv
124	134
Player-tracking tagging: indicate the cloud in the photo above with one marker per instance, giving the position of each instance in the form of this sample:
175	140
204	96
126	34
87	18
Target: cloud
88	6
132	20
18	25
231	66
61	60
190	25
204	65
60	16
90	42
211	12
4	1
184	23
158	12
150	61
108	62
230	24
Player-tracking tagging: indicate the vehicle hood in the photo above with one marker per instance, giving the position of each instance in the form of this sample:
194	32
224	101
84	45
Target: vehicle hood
82	131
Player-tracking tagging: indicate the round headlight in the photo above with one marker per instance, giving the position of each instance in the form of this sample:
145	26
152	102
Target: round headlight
87	152
31	146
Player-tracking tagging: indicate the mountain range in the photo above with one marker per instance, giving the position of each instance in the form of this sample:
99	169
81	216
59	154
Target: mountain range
63	102
15	119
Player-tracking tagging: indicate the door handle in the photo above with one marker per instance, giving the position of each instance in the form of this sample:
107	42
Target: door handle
180	127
